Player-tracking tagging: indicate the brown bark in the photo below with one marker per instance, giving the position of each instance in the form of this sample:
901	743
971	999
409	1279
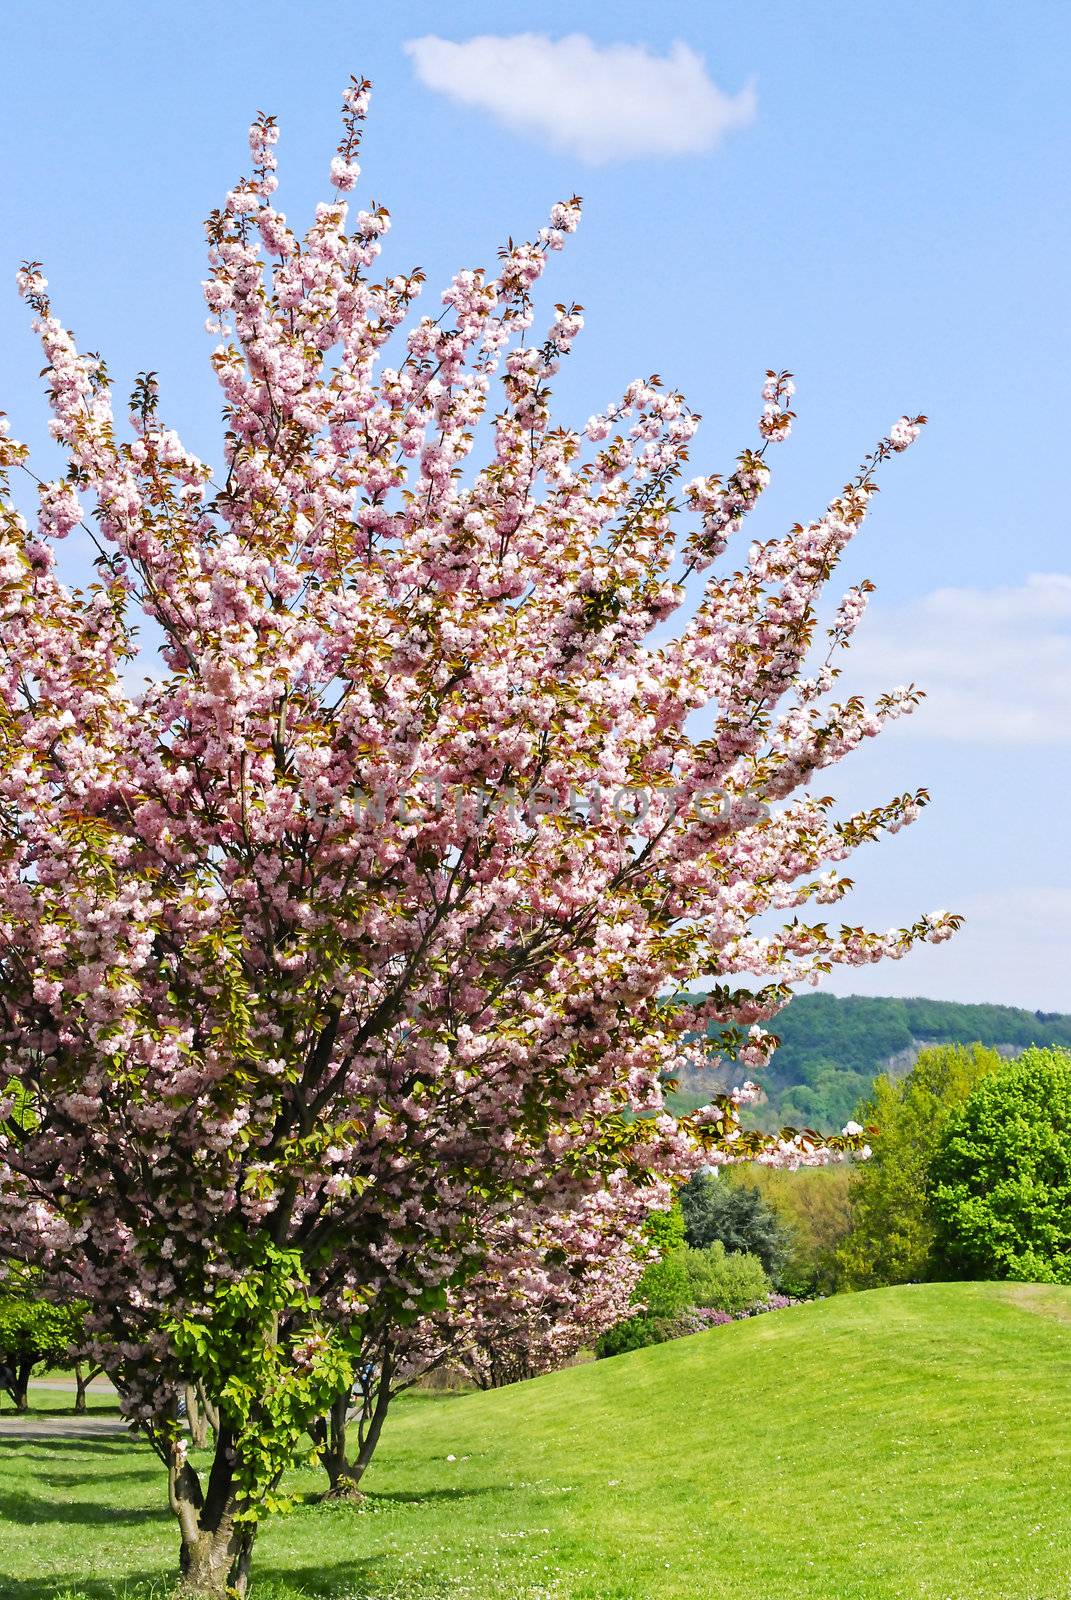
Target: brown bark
216	1552
82	1380
19	1388
344	1476
333	1434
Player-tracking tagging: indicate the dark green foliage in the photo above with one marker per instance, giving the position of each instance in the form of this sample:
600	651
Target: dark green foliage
1001	1178
717	1211
859	1034
891	1239
826	1103
635	1334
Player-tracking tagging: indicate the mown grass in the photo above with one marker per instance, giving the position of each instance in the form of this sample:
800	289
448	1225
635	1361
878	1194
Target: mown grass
906	1443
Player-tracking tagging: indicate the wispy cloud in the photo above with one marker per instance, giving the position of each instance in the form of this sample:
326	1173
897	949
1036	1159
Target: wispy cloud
995	663
1014	949
602	102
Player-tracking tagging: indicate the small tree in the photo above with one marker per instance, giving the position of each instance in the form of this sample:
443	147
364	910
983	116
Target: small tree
891	1239
34	1333
349	932
548	1287
1001	1177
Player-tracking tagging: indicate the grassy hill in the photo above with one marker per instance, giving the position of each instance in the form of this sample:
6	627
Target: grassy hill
832	1048
905	1443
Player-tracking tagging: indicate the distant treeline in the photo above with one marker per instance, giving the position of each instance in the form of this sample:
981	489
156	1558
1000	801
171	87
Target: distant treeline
832	1049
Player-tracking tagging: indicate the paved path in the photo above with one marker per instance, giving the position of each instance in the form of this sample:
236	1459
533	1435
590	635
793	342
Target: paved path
65	1425
99	1385
61	1424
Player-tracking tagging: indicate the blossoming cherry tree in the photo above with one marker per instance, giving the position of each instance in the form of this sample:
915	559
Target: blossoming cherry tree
342	918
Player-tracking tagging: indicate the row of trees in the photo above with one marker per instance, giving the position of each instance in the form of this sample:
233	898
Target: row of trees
333	960
968	1178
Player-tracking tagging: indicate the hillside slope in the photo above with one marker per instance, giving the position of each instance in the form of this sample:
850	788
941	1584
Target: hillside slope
906	1444
832	1047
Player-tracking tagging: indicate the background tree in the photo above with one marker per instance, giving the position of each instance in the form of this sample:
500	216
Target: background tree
1001	1176
716	1211
349	931
814	1209
34	1333
891	1239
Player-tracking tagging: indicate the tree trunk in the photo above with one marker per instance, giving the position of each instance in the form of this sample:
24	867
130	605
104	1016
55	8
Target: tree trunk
19	1390
332	1438
344	1476
217	1552
82	1380
196	1419
371	1437
216	1565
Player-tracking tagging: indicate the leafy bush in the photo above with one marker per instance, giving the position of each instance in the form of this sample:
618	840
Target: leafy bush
715	1277
683	1282
724	1280
1001	1179
636	1334
717	1211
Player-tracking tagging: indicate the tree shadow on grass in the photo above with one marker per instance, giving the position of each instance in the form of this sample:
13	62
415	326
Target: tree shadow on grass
157	1584
78	1480
104	1446
16	1505
363	1578
413	1497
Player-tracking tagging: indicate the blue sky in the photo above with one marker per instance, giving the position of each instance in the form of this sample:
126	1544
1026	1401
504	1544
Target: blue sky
890	222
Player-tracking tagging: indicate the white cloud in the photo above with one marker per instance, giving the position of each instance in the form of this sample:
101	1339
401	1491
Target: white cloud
995	663
599	101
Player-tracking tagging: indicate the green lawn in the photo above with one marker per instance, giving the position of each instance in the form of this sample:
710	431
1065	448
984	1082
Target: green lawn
909	1442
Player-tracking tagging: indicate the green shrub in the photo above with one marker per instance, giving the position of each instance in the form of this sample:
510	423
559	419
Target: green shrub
635	1334
716	1279
723	1280
685	1279
1001	1179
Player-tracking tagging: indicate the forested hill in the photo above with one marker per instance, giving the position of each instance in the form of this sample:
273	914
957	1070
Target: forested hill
832	1048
